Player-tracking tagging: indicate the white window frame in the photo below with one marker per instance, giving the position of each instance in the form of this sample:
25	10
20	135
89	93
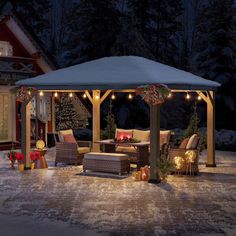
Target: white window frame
6	49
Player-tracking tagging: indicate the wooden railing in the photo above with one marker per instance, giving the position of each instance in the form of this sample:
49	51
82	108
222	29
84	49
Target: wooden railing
16	68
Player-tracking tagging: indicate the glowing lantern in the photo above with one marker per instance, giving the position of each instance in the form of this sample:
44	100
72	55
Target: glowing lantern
190	156
179	162
40	144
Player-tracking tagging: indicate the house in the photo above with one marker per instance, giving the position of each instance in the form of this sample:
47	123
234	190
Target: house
21	57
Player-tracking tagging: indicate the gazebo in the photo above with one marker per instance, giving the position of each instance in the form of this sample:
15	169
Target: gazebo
98	78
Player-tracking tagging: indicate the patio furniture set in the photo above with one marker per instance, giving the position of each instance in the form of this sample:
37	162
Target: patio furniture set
118	154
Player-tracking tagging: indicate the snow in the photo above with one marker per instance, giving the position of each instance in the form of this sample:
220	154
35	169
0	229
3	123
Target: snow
118	73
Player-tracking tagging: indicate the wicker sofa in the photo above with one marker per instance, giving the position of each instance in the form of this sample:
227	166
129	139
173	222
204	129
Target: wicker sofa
70	152
142	135
189	144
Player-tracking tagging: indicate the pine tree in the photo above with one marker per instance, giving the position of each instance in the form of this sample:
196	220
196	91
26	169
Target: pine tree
110	129
66	115
94	25
193	124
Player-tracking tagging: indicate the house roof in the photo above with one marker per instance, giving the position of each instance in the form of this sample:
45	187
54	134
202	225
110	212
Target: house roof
31	43
123	72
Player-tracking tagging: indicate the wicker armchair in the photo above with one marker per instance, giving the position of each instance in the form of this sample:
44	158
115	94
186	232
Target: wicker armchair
188	168
71	153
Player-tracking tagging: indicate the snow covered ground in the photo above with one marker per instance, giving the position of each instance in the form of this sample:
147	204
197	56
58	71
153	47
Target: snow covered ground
62	201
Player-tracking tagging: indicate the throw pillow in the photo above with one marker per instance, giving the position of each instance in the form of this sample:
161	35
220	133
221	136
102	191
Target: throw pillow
165	136
61	134
142	135
121	135
192	142
184	143
69	138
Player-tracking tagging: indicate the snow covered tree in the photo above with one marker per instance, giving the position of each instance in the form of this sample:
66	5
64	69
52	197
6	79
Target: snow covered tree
66	115
94	25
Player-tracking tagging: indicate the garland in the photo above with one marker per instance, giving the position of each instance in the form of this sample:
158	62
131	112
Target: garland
153	94
24	94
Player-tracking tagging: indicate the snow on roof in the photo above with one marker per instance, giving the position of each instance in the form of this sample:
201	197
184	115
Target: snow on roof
123	72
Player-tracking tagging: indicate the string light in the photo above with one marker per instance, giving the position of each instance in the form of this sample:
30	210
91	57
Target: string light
169	95
199	98
130	96
55	94
113	97
29	92
84	95
71	95
188	96
97	97
41	93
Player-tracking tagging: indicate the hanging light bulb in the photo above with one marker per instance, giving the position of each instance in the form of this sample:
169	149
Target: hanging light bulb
55	94
84	95
41	93
169	95
130	96
29	92
188	96
113	97
199	98
71	95
97	97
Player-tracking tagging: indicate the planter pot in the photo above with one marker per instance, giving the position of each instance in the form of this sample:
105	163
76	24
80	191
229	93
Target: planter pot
32	166
21	167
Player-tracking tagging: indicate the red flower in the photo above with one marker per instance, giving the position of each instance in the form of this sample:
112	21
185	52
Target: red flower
19	156
34	156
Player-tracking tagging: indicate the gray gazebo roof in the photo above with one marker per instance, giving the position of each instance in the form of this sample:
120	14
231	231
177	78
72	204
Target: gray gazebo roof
124	72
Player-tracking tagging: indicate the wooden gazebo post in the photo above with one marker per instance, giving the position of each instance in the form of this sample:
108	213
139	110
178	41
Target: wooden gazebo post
154	143
25	132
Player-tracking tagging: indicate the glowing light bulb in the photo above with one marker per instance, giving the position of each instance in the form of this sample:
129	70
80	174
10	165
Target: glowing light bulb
113	96
29	92
55	94
97	97
187	96
199	98
71	95
169	95
130	96
84	95
41	93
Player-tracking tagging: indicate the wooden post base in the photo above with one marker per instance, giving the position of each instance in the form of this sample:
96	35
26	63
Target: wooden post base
154	181
210	165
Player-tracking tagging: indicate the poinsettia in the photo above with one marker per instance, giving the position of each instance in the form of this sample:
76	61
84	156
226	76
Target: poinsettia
19	157
34	156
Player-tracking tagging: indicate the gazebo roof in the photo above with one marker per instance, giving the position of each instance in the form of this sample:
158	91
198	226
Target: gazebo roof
123	72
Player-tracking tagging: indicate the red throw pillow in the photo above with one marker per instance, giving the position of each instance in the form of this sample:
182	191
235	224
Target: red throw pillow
121	135
184	143
69	138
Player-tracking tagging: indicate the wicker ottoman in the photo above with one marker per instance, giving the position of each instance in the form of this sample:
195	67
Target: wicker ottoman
106	162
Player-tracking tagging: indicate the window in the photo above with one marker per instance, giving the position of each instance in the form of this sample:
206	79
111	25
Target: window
4	116
6	49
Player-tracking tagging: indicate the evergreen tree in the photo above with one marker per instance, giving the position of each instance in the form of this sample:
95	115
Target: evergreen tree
66	115
94	25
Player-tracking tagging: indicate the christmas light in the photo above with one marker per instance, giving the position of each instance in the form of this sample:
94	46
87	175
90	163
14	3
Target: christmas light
41	93
71	95
84	95
29	92
188	96
55	94
130	96
169	95
113	97
199	98
97	97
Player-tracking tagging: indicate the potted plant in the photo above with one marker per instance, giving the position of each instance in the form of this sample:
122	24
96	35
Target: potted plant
165	166
20	160
12	158
34	156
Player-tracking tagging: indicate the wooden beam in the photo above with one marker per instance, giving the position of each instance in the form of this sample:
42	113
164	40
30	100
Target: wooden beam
53	114
96	120
105	96
211	130
89	96
25	133
203	96
154	143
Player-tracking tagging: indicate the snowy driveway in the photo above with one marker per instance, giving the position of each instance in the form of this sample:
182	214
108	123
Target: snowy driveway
63	201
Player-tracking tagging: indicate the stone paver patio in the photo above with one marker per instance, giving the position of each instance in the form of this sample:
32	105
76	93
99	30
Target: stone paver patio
62	199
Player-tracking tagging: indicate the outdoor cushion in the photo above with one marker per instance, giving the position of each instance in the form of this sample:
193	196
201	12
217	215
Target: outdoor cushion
82	150
124	130
184	143
164	136
142	135
121	135
64	132
192	142
105	156
125	149
69	138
